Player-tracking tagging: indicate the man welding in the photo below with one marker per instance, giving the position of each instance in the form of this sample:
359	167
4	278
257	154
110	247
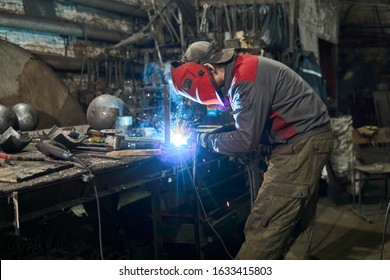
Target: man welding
271	105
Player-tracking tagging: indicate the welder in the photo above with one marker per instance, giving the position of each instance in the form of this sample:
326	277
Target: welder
271	106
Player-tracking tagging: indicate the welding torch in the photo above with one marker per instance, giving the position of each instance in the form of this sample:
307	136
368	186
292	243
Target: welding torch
54	149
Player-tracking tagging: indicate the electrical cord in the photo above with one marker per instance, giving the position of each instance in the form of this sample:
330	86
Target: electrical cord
202	205
208	220
59	151
250	179
384	231
89	178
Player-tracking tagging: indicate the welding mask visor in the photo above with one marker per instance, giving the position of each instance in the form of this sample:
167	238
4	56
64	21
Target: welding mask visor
193	81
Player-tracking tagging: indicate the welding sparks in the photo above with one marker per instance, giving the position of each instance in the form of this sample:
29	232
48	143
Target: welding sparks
180	134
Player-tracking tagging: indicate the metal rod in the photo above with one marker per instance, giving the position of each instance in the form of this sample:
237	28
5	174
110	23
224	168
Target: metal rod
167	116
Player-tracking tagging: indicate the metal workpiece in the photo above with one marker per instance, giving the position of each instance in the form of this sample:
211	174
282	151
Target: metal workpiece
27	116
7	118
11	141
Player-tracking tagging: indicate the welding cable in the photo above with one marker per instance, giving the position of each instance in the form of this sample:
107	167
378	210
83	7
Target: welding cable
91	176
57	150
250	184
208	220
204	210
250	178
384	231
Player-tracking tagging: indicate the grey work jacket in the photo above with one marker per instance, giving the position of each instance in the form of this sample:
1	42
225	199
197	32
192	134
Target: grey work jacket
271	105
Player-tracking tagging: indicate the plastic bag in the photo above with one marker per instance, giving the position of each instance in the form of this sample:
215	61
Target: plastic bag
272	37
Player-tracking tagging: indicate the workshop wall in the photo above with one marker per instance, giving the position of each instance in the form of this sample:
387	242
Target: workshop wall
107	47
363	58
70	37
318	19
77	40
60	44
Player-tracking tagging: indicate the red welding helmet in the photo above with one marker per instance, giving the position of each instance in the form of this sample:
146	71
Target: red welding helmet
192	80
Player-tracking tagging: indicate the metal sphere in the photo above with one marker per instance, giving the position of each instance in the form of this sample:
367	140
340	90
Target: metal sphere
27	117
7	118
103	111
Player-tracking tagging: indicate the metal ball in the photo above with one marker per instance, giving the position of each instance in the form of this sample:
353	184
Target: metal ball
7	118
103	111
27	117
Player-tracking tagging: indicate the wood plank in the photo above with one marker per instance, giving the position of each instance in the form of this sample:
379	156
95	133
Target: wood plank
134	152
383	136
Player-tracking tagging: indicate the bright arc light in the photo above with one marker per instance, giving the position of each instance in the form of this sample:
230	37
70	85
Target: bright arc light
178	139
179	134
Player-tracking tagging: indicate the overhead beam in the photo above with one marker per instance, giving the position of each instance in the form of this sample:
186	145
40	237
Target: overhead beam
114	6
80	30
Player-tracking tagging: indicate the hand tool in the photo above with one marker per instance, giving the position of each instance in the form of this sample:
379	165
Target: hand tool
20	158
53	149
203	23
228	21
119	142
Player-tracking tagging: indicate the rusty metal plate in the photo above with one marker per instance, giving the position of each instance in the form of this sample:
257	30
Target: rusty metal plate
27	170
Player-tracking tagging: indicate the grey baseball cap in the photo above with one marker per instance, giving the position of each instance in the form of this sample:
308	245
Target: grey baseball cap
206	52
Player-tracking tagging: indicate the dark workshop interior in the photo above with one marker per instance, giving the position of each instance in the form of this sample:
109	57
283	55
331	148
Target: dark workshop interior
121	182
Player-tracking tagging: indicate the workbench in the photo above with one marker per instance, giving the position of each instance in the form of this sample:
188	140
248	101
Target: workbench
67	185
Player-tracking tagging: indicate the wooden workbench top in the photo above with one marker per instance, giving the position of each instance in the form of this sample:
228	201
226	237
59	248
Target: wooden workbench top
18	175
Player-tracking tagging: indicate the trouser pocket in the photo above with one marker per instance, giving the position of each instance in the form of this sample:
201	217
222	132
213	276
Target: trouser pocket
284	203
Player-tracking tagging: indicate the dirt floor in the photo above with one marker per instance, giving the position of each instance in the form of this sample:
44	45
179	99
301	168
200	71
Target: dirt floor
340	234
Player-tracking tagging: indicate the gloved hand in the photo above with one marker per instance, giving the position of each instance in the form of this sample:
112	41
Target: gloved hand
201	140
198	138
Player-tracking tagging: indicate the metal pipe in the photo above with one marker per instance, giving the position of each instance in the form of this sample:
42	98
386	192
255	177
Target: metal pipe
79	30
74	64
135	37
114	6
139	37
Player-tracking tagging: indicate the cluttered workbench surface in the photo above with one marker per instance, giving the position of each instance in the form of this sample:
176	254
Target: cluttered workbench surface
22	173
64	175
59	168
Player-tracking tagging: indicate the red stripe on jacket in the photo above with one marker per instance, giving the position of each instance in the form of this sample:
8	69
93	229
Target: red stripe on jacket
245	71
279	125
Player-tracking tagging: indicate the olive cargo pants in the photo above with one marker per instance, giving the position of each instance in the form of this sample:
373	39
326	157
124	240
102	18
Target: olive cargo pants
281	222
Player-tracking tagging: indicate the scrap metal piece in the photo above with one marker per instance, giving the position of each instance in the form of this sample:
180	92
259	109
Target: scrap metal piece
12	142
68	139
